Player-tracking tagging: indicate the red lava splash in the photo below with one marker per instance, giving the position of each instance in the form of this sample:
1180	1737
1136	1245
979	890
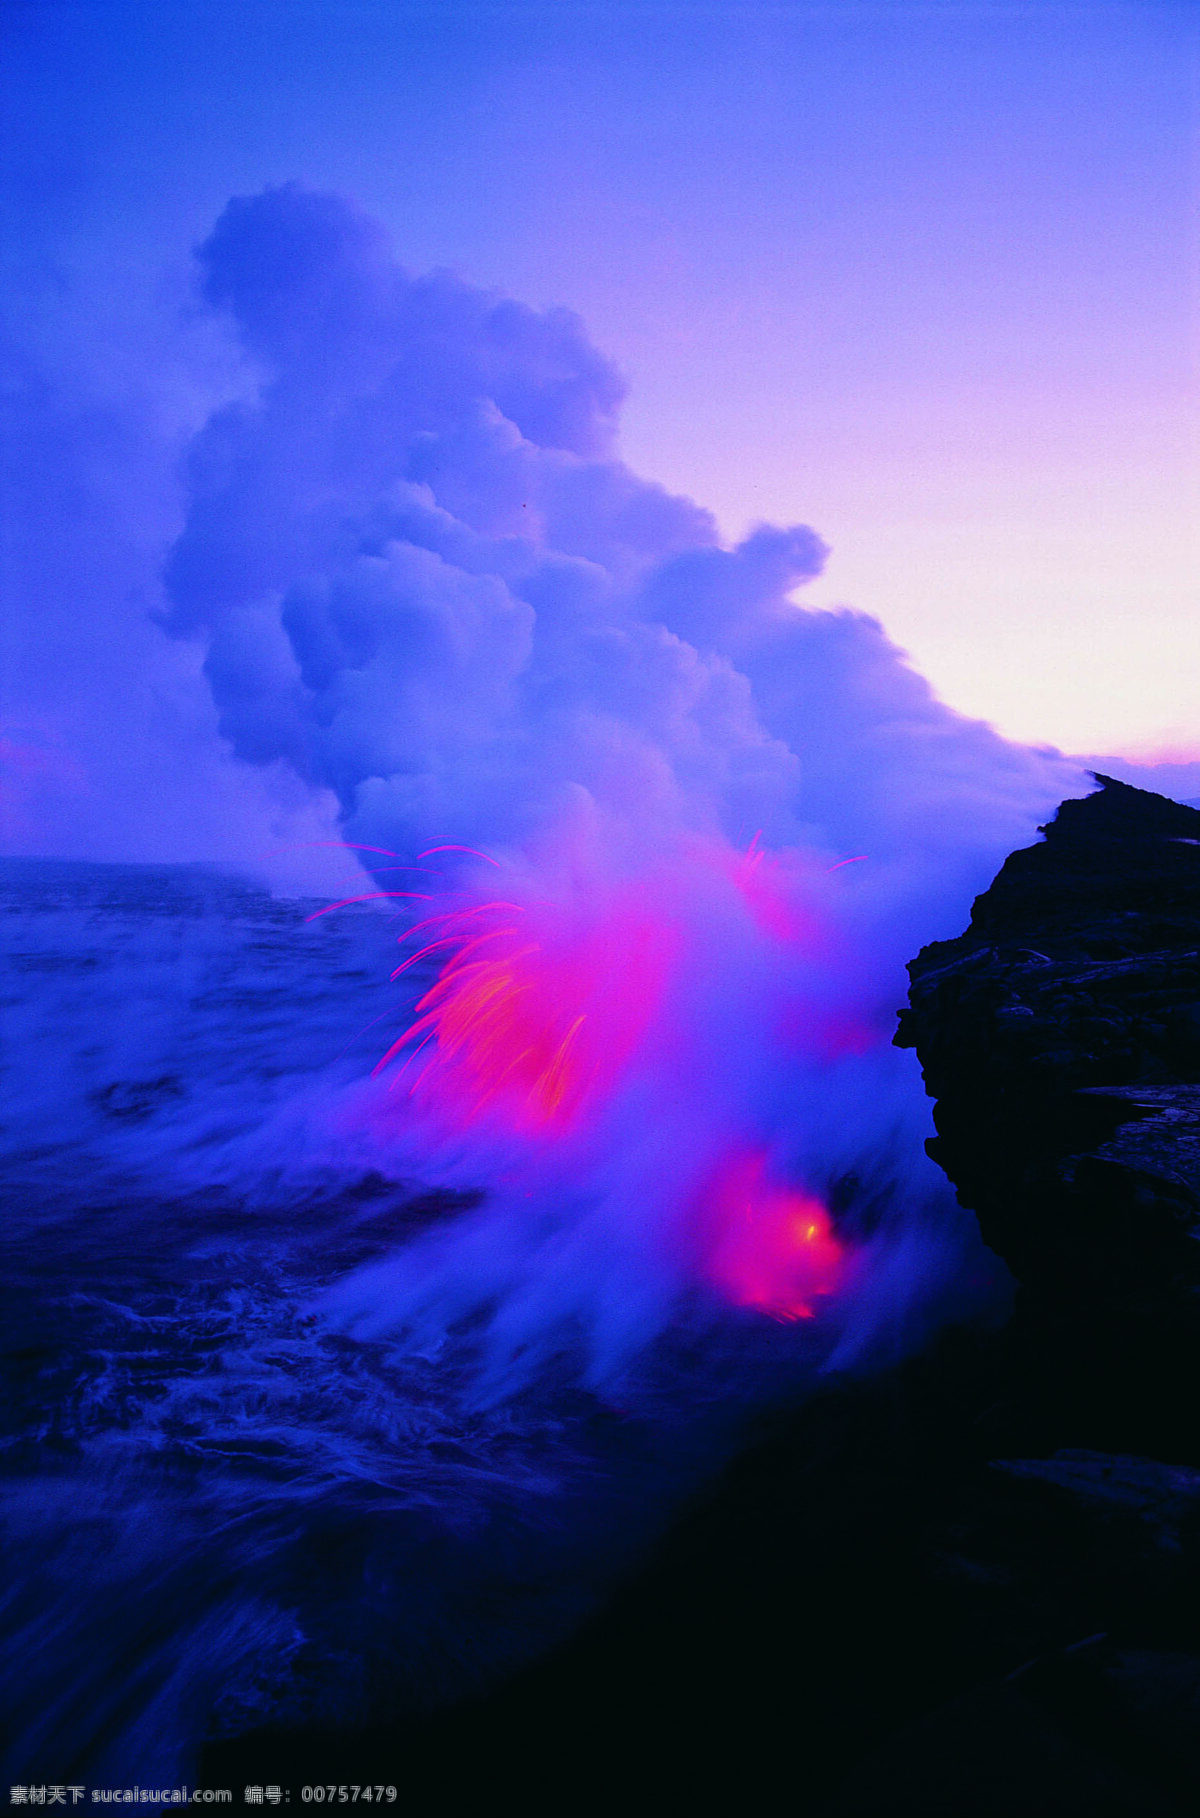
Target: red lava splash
774	1248
545	1010
533	1018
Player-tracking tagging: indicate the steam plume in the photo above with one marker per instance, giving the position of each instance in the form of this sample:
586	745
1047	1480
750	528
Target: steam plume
427	582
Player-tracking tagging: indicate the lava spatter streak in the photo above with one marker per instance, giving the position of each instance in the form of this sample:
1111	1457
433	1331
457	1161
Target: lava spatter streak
534	1018
629	1039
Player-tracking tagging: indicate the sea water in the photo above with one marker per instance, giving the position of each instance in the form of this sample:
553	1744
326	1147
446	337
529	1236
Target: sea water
218	1512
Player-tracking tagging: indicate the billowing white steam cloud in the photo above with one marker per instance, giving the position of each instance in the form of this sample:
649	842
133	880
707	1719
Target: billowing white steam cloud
427	582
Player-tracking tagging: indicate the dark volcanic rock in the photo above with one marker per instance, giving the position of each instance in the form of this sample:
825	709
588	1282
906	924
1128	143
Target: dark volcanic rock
1060	1036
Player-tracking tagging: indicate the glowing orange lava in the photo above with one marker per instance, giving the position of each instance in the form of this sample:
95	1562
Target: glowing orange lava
531	1019
561	1019
774	1250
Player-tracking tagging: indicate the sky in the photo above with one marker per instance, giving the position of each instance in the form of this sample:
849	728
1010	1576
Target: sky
920	274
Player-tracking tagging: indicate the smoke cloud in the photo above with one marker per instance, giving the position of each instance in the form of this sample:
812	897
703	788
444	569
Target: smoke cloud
425	581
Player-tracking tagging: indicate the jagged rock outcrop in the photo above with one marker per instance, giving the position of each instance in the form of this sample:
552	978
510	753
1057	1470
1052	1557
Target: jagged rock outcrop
1060	1037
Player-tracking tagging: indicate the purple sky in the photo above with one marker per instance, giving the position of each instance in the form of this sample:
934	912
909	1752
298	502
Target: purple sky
921	275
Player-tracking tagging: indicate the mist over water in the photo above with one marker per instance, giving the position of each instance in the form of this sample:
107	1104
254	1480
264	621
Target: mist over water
386	1274
680	1089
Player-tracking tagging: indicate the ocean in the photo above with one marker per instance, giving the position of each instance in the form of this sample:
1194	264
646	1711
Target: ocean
219	1513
